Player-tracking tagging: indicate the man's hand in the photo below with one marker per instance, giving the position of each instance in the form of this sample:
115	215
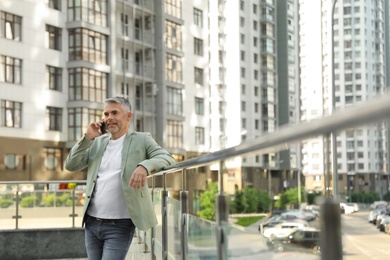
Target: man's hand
138	177
93	130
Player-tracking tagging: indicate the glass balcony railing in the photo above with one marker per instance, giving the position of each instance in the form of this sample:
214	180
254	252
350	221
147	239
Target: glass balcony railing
181	235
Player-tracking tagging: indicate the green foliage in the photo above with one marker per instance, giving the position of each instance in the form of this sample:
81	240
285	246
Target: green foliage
207	202
59	200
312	197
289	197
250	200
4	203
386	196
365	197
29	201
247	221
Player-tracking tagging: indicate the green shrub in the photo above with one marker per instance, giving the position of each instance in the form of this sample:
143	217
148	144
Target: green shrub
29	202
4	203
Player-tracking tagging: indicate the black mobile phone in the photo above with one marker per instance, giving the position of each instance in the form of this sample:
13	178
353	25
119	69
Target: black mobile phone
103	129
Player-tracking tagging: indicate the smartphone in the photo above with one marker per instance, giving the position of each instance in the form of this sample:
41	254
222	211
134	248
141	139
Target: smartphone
103	129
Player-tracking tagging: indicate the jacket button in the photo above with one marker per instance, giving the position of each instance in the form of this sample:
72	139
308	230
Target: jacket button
89	197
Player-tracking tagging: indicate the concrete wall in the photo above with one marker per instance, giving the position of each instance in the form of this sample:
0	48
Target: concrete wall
42	244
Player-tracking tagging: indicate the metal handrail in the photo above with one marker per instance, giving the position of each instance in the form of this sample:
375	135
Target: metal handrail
365	112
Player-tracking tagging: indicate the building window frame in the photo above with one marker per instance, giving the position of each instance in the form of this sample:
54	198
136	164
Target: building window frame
199	136
10	26
198	17
54	78
11	114
198	46
10	70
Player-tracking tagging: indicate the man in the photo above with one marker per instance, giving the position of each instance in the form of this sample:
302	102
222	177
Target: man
117	198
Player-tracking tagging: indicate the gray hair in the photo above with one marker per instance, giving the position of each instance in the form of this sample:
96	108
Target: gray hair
120	100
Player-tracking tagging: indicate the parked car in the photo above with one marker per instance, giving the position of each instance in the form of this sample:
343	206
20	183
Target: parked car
378	204
301	239
346	208
372	216
283	229
383	223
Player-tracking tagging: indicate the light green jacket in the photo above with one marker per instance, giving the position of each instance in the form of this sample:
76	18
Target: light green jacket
138	149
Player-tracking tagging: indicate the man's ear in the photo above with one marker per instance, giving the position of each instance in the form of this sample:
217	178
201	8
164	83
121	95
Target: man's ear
129	115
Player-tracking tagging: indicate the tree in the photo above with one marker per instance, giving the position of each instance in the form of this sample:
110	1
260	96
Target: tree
250	200
207	202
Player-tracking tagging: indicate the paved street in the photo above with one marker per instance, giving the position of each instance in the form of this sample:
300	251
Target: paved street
362	240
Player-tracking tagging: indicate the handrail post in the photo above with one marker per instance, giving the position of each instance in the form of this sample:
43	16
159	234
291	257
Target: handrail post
164	226
73	215
221	210
331	243
183	214
153	231
17	199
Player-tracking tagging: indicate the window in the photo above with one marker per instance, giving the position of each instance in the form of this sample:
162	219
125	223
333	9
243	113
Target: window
54	78
256	124
78	120
54	4
14	161
173	8
198	76
198	17
173	68
199	106
125	24
242	72
174	134
175	101
88	45
52	158
10	26
242	38
173	35
242	5
11	114
243	106
255	25
199	135
242	55
243	89
92	11
125	59
87	84
242	21
198	46
10	70
54	118
255	58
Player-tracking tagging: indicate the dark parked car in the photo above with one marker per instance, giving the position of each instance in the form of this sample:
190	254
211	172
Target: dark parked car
301	239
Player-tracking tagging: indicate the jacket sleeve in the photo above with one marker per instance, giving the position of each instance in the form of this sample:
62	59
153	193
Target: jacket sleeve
157	157
77	158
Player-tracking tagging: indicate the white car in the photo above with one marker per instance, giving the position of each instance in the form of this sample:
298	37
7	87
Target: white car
283	229
348	209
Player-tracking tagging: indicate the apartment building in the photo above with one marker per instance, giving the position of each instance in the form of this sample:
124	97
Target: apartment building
61	59
359	74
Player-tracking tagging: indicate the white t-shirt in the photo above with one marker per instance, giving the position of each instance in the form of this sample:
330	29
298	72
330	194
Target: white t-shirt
108	200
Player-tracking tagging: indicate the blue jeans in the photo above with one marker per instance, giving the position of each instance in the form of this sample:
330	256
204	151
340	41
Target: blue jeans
108	239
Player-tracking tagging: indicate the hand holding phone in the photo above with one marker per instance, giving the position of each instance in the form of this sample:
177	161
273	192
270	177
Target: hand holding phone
103	128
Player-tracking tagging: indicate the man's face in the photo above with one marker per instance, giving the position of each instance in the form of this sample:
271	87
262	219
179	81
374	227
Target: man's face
116	119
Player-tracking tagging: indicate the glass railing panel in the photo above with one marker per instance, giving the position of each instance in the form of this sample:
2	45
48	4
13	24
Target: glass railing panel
7	207
40	206
249	243
50	209
201	238
173	217
157	245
